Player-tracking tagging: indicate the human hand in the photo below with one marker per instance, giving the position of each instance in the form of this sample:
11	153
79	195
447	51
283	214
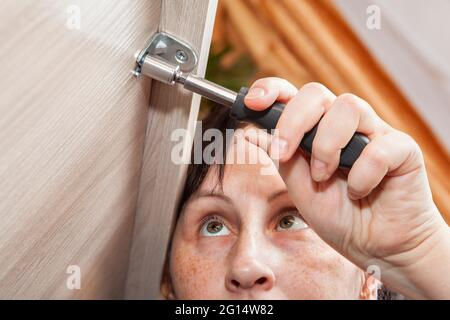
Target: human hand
382	212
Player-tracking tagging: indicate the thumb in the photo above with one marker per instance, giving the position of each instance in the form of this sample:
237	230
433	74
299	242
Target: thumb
296	175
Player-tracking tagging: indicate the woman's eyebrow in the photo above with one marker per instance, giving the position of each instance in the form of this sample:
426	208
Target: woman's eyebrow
211	194
277	194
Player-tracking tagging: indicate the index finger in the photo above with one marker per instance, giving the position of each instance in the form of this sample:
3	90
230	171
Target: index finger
264	92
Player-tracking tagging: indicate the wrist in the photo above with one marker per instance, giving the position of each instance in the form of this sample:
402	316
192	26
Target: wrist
422	272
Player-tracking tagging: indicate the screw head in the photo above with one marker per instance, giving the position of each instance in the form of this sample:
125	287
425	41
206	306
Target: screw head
181	56
136	72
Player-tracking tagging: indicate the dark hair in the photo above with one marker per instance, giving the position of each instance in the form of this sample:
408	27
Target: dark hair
218	118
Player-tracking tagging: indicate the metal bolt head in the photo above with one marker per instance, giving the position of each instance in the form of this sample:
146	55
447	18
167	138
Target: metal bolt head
181	56
136	72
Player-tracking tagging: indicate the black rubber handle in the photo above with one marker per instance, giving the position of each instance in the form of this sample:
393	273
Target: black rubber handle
268	119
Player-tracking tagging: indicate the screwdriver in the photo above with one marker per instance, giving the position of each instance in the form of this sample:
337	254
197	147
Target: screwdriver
171	74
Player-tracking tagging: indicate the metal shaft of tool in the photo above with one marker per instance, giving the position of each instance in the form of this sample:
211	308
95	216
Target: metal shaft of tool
208	89
170	74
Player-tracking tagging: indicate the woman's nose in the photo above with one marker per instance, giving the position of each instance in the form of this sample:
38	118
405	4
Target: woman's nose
248	266
250	274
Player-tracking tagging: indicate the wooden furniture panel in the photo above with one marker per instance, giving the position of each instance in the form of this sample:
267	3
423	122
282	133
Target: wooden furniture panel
161	180
72	129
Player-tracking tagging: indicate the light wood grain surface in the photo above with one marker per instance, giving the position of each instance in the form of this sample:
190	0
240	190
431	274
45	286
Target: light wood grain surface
72	128
162	180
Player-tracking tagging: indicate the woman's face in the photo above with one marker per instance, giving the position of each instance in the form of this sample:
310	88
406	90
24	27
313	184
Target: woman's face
246	240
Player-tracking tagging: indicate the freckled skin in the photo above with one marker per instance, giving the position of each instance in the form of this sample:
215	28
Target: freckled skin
293	264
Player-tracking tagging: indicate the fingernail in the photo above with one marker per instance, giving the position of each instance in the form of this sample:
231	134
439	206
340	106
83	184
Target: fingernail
319	165
279	146
255	93
319	169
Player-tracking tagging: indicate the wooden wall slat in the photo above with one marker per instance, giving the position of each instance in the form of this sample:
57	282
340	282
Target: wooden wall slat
410	49
413	45
161	180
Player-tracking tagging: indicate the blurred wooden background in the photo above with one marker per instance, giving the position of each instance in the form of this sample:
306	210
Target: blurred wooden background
308	40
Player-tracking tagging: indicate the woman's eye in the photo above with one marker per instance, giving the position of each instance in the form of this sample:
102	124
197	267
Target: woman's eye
214	228
291	222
